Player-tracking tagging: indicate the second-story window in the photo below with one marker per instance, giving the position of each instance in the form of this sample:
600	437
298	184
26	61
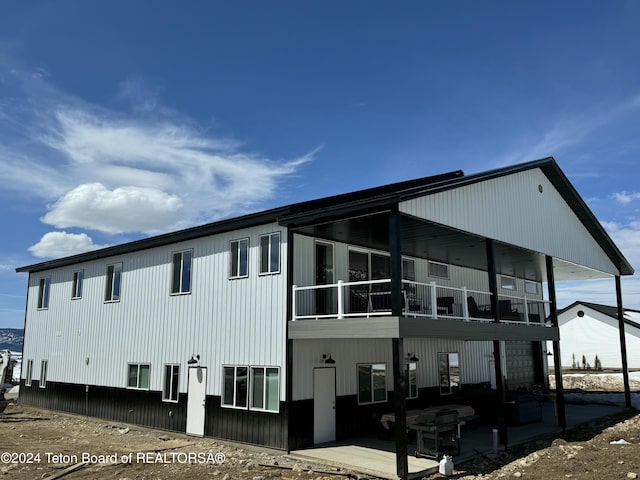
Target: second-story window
114	278
76	291
182	272
270	253
43	292
239	258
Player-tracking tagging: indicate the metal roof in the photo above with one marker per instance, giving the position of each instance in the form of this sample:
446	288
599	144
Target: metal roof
363	202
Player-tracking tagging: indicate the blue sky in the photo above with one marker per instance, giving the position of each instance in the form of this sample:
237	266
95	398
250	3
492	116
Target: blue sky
123	119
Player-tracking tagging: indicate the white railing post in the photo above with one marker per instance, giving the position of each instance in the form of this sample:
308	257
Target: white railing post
465	304
434	306
340	301
293	304
526	310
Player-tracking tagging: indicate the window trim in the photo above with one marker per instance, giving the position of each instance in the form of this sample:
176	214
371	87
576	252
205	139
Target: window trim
264	390
77	284
371	364
180	277
138	364
111	282
235	383
269	253
44	292
237	274
28	377
432	274
511	287
43	373
176	393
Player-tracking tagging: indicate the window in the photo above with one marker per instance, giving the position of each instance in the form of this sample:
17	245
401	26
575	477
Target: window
531	287
270	253
265	394
508	283
171	383
139	376
235	388
43	292
182	272
239	258
439	270
408	269
76	291
372	383
411	375
449	372
43	374
114	278
29	374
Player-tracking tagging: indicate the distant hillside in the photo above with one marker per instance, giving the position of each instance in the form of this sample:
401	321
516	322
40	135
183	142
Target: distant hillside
11	339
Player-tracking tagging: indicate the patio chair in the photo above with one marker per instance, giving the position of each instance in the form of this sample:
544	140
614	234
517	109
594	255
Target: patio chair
507	312
445	303
475	311
437	435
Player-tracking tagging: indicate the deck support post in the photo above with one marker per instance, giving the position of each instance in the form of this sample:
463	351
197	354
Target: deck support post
623	344
497	354
557	360
399	399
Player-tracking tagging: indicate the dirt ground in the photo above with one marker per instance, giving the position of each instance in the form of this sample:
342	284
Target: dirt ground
42	444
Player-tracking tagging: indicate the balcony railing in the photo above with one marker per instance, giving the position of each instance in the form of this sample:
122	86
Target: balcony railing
373	298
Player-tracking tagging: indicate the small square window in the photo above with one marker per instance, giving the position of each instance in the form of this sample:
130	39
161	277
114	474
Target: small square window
181	280
78	277
43	293
531	287
438	270
139	376
270	253
508	283
171	383
239	258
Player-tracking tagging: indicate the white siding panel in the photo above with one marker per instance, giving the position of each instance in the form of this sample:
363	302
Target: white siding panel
225	321
541	222
307	354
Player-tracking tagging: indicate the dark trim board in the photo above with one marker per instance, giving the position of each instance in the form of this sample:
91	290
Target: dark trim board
146	408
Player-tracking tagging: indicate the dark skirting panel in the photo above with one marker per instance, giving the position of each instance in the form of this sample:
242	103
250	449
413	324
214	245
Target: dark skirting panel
143	407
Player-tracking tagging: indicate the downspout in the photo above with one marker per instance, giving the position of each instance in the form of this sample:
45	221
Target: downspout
623	344
497	355
557	360
399	399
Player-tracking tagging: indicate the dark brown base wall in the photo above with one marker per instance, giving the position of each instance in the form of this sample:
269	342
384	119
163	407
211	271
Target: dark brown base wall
146	408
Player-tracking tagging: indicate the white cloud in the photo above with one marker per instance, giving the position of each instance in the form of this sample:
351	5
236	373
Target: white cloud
62	244
148	171
124	209
6	267
627	197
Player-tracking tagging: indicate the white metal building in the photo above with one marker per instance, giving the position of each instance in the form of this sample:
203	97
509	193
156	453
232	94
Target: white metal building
306	323
591	330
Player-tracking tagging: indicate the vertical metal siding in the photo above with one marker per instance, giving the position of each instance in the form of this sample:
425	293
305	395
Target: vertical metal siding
511	209
224	321
307	354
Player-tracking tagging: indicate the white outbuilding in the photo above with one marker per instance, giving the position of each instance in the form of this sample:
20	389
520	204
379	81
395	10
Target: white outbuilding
591	330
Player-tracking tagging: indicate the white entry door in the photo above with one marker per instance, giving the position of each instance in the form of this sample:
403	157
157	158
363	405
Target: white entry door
324	405
196	396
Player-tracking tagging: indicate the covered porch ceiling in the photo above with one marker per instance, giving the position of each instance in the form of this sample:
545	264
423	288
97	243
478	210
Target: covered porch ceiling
440	243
